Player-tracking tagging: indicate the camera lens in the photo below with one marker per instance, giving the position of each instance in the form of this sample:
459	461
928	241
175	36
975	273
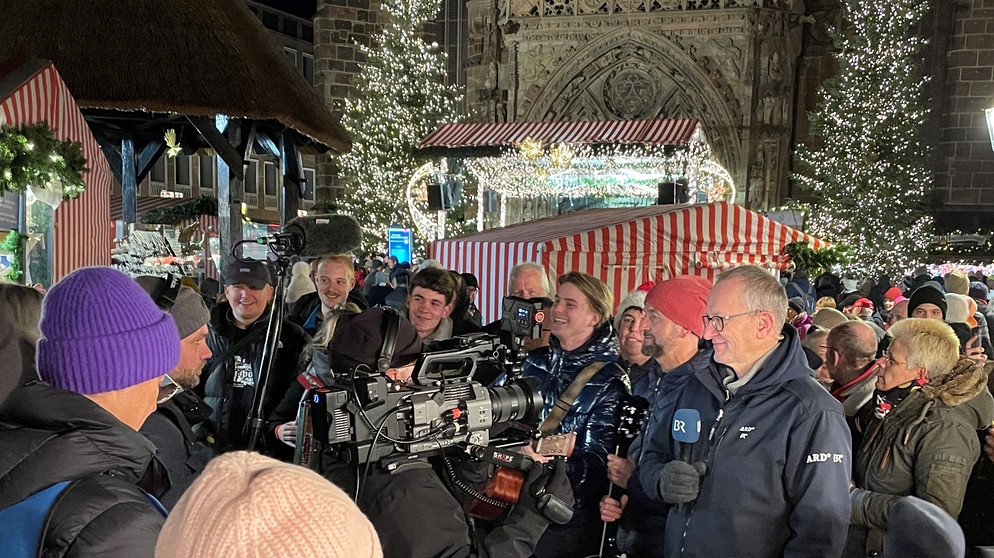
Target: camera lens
519	400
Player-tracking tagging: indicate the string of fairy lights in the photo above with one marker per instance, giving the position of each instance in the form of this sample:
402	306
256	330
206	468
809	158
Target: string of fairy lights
869	173
531	169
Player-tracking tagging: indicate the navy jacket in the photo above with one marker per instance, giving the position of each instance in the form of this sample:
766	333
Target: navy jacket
778	458
641	530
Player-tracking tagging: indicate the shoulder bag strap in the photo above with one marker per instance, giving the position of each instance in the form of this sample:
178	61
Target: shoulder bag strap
565	401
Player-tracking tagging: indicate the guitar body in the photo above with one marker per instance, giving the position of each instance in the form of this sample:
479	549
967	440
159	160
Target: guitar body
504	486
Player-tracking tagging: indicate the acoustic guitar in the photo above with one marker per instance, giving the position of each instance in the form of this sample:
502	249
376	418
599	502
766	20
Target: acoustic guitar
504	487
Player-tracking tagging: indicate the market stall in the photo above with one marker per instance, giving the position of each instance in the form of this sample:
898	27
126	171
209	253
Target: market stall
77	234
624	247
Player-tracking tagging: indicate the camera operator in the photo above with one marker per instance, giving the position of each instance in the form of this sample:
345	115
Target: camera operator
414	512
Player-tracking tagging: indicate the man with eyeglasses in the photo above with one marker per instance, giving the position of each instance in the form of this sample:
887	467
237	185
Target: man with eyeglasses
850	357
769	474
179	409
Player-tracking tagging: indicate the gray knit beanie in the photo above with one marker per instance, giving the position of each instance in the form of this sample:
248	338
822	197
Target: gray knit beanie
188	310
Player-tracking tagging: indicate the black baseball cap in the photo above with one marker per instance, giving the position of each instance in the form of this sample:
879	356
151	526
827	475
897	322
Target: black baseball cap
253	273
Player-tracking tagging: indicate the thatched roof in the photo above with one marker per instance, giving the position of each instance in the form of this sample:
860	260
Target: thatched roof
190	57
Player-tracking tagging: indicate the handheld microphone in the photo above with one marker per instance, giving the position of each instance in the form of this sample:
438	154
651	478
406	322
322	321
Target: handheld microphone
318	235
686	430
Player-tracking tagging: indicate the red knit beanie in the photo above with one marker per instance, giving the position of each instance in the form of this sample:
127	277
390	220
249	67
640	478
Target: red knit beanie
682	299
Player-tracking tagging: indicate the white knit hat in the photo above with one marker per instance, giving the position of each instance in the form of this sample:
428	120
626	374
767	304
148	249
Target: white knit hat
247	505
634	298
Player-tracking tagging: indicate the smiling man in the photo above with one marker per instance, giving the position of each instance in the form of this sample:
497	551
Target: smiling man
236	340
771	440
433	294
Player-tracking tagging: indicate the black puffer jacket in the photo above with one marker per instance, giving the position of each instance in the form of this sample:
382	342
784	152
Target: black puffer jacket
231	406
48	436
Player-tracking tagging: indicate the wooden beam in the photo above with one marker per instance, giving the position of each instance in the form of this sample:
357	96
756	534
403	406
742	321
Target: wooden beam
292	177
129	184
111	154
150	153
267	144
235	162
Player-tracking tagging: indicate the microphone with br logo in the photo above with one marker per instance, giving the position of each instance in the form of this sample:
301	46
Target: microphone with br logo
687	431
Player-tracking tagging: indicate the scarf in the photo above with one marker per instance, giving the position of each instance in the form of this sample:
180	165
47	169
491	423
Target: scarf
887	400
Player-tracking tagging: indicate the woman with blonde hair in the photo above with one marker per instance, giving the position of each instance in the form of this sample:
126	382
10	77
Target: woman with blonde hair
922	439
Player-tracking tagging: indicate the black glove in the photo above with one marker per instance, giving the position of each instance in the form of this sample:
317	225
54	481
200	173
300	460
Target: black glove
679	482
547	490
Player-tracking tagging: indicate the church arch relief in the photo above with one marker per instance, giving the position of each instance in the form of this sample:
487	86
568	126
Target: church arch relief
626	74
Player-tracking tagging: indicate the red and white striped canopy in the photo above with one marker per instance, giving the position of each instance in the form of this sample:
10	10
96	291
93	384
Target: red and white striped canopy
652	132
624	247
31	91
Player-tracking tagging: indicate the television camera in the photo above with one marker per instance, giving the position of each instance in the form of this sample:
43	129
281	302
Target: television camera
364	416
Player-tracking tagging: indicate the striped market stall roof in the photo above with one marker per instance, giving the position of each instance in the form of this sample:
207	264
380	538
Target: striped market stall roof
676	132
31	91
624	247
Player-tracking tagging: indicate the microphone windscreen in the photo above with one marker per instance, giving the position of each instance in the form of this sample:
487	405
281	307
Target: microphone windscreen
687	425
326	235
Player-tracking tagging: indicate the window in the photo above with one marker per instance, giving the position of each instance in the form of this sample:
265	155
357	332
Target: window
307	33
251	176
158	173
270	20
181	165
307	66
309	184
291	55
208	170
270	179
289	27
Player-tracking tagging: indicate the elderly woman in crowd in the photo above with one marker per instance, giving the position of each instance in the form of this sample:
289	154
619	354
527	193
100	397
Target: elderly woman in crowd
583	345
922	441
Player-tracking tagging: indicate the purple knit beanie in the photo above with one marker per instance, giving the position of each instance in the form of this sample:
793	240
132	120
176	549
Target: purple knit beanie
102	332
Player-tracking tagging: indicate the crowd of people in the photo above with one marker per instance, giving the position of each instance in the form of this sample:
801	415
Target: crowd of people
827	417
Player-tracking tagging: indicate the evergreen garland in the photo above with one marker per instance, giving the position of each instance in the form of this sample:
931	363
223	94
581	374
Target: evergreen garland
176	214
812	262
33	156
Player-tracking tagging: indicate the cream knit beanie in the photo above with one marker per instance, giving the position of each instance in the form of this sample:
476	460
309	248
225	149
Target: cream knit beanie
247	505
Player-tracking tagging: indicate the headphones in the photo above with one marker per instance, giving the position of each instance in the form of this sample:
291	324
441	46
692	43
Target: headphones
169	287
389	325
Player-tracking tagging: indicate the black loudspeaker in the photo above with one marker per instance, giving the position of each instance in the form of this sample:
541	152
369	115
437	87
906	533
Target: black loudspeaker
438	197
673	192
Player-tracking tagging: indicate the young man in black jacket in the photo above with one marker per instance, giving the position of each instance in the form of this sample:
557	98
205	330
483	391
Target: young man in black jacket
236	339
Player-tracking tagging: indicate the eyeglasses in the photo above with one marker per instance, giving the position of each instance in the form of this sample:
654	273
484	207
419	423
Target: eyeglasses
718	322
890	360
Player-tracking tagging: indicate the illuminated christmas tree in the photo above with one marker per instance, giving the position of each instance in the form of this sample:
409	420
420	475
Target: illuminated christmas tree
399	97
869	173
